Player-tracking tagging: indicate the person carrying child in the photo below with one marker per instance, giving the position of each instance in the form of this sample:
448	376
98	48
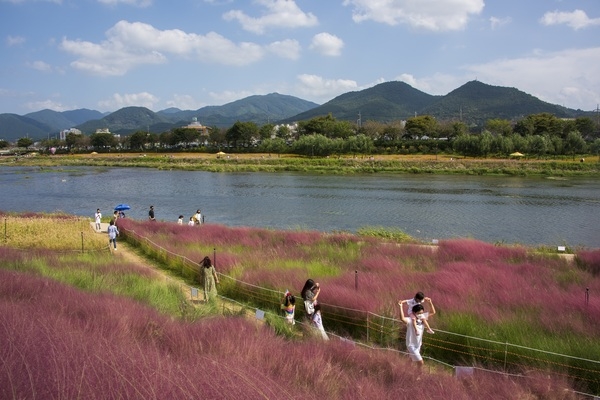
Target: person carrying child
416	322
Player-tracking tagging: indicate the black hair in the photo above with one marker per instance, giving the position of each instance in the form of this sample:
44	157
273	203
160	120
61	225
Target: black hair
419	296
206	263
416	308
289	299
307	286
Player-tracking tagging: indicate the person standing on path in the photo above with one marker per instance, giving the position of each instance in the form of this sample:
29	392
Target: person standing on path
151	214
113	232
209	279
98	218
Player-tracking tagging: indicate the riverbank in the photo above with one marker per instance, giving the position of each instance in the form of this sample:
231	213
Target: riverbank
394	164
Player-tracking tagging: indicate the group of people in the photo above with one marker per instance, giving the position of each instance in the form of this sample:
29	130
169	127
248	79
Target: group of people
196	219
310	294
112	230
418	310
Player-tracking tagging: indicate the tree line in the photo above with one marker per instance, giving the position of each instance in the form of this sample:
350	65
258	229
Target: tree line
538	135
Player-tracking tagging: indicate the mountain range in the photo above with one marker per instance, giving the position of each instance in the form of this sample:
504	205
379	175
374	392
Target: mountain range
473	103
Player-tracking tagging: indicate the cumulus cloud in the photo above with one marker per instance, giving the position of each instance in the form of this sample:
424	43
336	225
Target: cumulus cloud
130	44
327	44
555	77
289	49
314	86
185	102
143	99
278	14
433	15
577	19
14	40
561	77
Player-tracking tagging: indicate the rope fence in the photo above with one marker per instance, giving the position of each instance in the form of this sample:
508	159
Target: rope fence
364	328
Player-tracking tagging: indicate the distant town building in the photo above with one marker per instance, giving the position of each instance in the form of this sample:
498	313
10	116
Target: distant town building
63	134
103	130
197	126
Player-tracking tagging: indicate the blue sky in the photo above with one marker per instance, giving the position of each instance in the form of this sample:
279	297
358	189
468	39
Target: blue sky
108	54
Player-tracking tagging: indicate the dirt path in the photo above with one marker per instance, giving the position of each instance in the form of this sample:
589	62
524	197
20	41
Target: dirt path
130	254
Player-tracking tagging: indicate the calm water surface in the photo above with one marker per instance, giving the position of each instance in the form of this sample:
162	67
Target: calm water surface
510	209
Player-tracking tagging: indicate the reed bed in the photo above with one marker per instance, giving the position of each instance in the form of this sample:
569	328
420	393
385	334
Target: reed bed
475	286
505	294
60	232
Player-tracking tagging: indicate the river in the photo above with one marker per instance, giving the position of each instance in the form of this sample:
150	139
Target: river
532	211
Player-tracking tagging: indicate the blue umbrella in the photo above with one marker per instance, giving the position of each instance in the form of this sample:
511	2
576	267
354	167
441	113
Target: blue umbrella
122	207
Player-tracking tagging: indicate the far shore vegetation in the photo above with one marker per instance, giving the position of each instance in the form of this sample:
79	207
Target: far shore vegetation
503	294
342	165
537	144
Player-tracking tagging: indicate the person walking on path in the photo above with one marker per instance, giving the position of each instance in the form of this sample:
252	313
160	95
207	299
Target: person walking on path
418	299
209	279
113	232
180	220
98	218
414	329
151	214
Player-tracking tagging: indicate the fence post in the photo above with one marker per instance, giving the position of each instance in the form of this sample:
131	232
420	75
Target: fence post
505	354
5	237
355	279
81	242
368	327
587	296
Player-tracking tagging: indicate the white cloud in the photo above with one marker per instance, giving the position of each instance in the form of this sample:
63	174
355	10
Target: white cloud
136	3
119	101
279	14
40	66
555	77
327	44
499	22
14	40
47	105
288	48
434	15
577	19
314	86
185	102
131	44
228	96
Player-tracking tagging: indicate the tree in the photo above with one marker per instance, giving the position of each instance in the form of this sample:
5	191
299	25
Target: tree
138	140
574	143
73	140
276	145
283	132
187	136
3	144
314	145
497	126
417	127
322	125
538	145
359	144
266	131
24	142
102	140
244	132
585	126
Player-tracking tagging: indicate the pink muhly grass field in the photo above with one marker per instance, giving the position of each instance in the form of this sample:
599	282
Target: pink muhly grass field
58	342
496	284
